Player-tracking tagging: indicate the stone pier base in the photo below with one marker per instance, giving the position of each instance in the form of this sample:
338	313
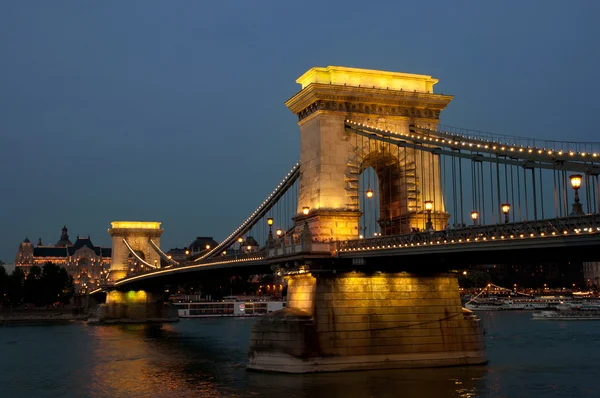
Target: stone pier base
356	321
134	307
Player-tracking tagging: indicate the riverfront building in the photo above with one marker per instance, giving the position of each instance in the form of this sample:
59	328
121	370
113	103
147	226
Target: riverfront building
86	263
198	247
591	273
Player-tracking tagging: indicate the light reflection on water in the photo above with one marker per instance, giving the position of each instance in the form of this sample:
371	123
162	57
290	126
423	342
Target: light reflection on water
207	358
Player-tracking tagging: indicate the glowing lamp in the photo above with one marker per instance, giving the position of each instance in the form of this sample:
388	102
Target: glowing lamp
575	181
240	240
224	252
474	215
279	232
428	208
576	184
428	205
187	252
249	247
305	210
505	210
270	221
369	193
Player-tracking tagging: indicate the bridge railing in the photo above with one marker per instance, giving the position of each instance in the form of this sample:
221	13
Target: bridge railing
299	248
232	258
476	233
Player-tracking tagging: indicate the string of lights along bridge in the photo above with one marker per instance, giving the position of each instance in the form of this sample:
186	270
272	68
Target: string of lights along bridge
524	191
419	183
483	182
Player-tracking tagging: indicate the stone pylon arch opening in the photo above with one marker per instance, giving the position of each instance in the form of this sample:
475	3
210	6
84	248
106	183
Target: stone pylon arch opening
401	180
390	172
134	264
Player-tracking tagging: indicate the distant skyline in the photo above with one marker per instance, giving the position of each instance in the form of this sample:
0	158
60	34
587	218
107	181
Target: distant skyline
174	111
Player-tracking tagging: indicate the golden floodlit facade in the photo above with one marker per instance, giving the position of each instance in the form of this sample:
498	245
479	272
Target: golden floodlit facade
332	161
86	263
137	235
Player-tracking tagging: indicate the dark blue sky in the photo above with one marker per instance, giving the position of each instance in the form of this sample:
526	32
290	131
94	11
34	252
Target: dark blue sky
173	111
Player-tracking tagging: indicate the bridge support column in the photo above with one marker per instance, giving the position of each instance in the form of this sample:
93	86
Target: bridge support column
355	321
327	224
134	307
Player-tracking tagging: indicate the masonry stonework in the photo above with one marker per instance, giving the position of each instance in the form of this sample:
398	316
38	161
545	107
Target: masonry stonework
356	321
337	320
137	234
331	159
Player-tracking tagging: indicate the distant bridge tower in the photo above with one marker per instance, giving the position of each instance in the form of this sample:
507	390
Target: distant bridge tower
331	159
137	234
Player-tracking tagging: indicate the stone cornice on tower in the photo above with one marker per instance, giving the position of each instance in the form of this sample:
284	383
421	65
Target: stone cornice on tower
366	91
367	100
136	232
131	228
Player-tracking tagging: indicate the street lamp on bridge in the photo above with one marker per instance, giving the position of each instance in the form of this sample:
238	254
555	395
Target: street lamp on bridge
305	234
474	216
576	184
505	210
240	241
270	237
369	193
428	209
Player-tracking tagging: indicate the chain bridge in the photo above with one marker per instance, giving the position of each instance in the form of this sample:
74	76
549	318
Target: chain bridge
383	204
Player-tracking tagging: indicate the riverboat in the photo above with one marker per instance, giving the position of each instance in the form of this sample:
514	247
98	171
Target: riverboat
484	301
487	305
570	312
522	304
209	309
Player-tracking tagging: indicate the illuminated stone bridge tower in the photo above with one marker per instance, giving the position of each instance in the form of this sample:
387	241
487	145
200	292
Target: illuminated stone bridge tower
374	313
137	234
133	305
332	159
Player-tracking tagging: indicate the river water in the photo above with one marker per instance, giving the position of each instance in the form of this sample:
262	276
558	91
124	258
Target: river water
207	358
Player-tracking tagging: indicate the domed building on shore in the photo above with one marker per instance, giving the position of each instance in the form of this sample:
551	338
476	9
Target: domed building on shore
86	263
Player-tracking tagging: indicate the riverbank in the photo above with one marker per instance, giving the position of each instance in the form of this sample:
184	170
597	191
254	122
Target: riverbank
40	315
